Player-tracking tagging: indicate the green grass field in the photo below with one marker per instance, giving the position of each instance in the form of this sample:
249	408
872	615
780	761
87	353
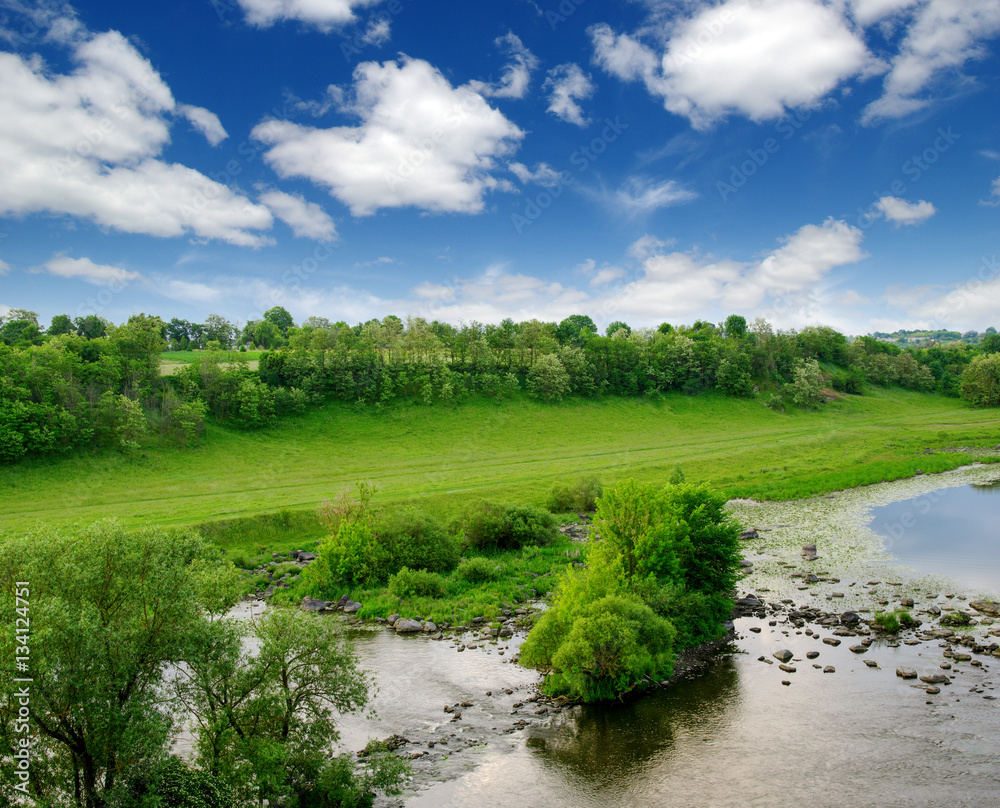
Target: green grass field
440	457
173	361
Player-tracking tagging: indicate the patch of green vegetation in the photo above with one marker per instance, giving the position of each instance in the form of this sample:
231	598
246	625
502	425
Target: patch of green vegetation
249	541
187	357
437	457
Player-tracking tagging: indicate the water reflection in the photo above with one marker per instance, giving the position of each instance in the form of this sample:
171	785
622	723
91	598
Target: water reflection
606	744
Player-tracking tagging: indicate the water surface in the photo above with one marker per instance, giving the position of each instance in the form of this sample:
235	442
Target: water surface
953	532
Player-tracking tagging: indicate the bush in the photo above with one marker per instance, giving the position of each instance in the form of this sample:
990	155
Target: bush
496	526
886	621
478	570
415	540
409	583
581	496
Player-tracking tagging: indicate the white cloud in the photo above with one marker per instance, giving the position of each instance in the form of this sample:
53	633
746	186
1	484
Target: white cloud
606	275
188	291
321	14
420	143
994	199
641	195
4	267
543	175
86	144
868	11
204	121
565	84
943	35
85	269
903	212
970	304
516	74
756	59
307	219
377	33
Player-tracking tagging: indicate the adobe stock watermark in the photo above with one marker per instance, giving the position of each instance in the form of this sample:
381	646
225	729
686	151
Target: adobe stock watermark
21	698
581	160
971	291
562	12
293	277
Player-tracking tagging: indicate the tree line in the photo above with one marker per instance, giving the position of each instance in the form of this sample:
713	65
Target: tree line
90	383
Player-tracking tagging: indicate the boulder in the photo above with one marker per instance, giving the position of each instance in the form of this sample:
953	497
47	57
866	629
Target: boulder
351	606
313	605
988	607
405	625
750	533
935	679
430	627
391	619
850	618
783	655
307	557
906	673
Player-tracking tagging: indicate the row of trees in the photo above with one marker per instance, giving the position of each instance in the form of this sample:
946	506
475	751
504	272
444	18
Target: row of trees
127	644
92	383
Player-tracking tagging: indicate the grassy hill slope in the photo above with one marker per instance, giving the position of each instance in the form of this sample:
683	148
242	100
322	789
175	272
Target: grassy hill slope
443	456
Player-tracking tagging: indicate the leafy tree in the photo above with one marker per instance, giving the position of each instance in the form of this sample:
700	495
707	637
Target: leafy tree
990	343
548	379
61	324
616	326
266	718
806	386
112	608
218	329
575	329
736	326
280	317
981	381
92	326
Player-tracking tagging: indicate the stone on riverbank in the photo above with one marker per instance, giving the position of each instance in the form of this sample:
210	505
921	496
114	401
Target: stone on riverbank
405	625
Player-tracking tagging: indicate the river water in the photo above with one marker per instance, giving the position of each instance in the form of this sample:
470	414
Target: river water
735	735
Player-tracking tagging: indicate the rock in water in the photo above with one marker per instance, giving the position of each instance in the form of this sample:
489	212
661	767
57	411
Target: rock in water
906	673
313	605
988	607
783	655
407	626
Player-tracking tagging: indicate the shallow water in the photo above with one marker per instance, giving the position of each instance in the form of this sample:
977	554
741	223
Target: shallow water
949	531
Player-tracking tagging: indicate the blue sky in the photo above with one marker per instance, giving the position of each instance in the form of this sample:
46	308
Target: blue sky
807	162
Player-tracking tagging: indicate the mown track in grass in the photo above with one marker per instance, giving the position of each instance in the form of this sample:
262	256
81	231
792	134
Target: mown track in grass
445	456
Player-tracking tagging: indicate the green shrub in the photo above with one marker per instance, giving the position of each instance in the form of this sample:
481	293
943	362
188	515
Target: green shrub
580	496
415	540
886	621
409	583
497	526
478	570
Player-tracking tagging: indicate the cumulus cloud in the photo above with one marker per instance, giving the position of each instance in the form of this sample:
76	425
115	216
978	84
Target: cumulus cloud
377	33
970	303
86	270
420	142
516	74
902	212
943	35
87	144
204	121
307	219
756	59
565	85
867	12
324	15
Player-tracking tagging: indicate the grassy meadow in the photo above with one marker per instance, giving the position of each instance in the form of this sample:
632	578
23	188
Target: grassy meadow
440	457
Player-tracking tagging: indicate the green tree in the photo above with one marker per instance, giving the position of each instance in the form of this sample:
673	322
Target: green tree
267	718
806	385
736	326
616	326
575	329
280	317
61	324
981	381
548	379
110	609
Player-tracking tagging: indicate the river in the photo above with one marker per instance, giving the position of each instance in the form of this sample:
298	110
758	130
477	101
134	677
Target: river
734	735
